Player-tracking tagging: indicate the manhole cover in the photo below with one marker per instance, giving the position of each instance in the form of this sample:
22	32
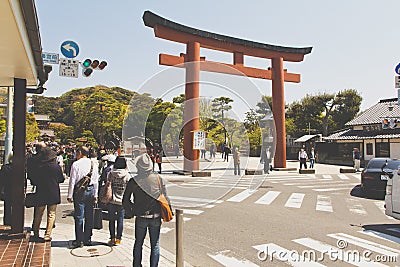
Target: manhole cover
92	251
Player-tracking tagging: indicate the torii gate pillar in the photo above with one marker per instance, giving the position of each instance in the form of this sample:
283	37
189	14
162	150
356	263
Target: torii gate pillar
191	109
278	109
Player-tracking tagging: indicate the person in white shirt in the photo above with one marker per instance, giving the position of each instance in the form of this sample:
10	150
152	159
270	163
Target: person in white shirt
83	203
303	158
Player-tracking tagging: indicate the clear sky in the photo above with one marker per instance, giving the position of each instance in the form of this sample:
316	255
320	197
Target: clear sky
355	43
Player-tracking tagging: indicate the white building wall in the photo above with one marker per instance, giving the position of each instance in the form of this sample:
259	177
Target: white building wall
368	157
395	150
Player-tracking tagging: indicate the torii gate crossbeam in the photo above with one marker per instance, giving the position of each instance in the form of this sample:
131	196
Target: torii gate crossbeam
194	39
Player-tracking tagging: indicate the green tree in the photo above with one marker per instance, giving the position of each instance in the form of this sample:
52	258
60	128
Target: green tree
264	107
32	129
220	107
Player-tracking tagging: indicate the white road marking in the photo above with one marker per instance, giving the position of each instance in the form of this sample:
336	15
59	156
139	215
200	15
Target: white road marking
331	189
324	203
326	184
346	257
230	261
194	199
295	200
268	198
343	177
327	176
355	206
277	252
380	235
192	212
372	246
241	196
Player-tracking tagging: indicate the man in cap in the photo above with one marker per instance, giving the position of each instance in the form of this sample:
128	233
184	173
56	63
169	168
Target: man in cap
145	188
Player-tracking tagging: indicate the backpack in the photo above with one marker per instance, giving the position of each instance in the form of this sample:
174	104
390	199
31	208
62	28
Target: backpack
83	183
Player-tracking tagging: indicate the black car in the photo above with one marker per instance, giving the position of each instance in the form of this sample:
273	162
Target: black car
374	176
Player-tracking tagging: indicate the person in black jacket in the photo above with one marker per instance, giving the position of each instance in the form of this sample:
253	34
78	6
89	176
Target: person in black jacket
145	189
6	174
47	176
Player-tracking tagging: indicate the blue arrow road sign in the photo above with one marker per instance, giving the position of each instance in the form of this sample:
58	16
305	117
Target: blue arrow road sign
397	69
69	49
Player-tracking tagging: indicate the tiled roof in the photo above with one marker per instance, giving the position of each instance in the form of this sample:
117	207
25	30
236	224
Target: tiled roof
387	108
351	134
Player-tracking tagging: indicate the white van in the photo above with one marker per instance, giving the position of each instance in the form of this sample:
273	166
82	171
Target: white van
392	198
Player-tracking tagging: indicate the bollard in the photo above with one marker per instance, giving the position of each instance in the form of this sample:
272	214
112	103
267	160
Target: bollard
179	237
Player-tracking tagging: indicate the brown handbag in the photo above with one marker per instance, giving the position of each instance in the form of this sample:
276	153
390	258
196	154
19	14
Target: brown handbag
106	194
166	213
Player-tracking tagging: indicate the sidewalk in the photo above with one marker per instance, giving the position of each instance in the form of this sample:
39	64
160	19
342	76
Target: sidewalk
99	254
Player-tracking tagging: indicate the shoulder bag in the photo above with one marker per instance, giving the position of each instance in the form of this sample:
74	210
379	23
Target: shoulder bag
166	213
83	183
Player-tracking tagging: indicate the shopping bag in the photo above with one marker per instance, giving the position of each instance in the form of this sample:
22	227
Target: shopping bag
98	218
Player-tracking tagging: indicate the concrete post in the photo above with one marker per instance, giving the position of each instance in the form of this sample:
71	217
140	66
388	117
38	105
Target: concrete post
179	237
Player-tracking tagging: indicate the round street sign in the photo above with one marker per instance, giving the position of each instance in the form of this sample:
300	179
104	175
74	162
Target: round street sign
397	69
69	49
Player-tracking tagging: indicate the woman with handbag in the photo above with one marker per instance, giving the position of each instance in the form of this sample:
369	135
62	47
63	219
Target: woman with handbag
146	188
118	178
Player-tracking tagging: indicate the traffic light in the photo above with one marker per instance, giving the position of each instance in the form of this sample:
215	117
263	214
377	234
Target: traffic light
102	65
87	72
89	65
95	64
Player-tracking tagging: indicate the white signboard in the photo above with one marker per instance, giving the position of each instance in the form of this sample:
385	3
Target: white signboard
396	81
50	58
199	140
69	67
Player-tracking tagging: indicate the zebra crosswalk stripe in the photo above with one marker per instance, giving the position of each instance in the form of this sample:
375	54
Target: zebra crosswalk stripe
346	257
355	206
268	198
295	200
230	261
241	196
382	236
327	176
372	246
343	177
324	203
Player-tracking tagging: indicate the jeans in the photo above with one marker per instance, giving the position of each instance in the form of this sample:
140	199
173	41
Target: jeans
312	161
116	213
266	166
236	167
84	210
141	226
37	219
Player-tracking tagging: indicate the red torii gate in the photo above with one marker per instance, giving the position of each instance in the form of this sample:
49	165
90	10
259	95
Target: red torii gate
194	39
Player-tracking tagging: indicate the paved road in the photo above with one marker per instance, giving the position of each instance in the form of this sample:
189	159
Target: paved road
230	219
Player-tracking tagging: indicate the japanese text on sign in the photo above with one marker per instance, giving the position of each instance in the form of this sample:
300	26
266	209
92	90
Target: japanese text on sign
199	140
69	67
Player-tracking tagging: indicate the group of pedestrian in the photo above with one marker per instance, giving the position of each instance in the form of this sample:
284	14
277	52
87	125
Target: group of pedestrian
156	156
45	172
304	156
